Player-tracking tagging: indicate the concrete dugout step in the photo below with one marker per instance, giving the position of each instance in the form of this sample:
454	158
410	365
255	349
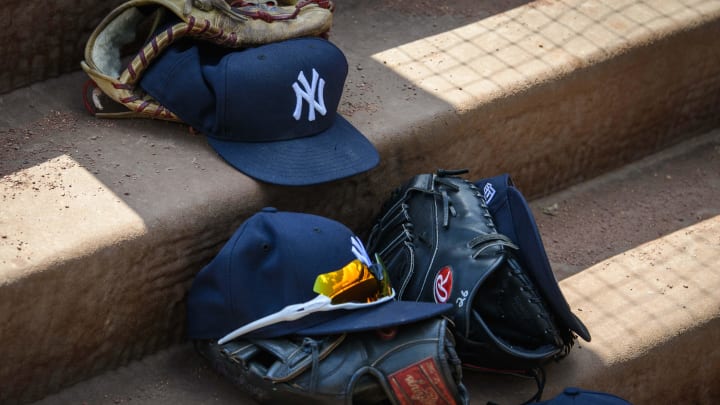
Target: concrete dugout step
104	223
647	295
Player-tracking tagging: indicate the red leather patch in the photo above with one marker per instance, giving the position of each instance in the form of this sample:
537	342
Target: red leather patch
420	383
443	285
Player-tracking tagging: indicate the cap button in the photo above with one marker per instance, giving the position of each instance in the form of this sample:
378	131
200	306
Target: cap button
269	209
572	391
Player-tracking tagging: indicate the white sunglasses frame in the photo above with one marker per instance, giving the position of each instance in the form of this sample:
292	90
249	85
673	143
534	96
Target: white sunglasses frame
293	312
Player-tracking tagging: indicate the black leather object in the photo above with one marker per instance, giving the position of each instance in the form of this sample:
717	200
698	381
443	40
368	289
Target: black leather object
437	239
375	367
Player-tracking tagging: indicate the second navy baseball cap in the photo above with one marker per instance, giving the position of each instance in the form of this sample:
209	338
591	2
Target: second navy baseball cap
265	283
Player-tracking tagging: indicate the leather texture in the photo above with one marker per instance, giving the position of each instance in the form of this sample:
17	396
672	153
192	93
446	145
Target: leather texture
410	364
165	22
439	243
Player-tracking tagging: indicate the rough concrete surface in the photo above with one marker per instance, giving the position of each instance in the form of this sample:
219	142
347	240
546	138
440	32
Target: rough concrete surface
637	248
104	223
34	52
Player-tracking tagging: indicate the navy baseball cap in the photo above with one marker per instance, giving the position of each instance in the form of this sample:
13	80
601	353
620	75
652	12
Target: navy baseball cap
269	111
514	219
579	396
270	264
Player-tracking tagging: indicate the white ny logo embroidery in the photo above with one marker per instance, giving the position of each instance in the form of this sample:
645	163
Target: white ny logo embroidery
307	93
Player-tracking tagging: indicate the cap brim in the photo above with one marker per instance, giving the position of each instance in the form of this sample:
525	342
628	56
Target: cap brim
574	395
338	152
392	313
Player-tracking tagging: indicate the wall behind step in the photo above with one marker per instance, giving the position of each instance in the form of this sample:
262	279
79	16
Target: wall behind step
44	39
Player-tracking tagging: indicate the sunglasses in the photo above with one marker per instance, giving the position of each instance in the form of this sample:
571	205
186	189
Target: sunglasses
358	284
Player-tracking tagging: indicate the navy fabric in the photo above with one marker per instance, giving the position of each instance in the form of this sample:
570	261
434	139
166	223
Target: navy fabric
578	396
515	220
269	111
271	262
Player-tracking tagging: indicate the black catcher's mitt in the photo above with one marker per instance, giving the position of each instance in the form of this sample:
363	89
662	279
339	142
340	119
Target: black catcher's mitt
439	243
411	364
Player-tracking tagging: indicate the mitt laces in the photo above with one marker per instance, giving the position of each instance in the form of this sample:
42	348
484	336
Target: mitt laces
96	101
311	345
448	209
480	242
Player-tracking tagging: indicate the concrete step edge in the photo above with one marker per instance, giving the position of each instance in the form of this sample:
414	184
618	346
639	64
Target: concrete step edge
651	310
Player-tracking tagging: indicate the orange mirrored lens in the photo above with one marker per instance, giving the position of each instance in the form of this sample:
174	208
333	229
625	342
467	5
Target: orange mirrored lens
352	283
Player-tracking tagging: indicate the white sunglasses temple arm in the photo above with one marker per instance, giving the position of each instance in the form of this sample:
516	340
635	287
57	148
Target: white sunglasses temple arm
359	251
289	313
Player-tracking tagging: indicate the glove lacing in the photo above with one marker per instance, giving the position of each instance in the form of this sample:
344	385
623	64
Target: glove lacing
310	345
479	244
448	211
